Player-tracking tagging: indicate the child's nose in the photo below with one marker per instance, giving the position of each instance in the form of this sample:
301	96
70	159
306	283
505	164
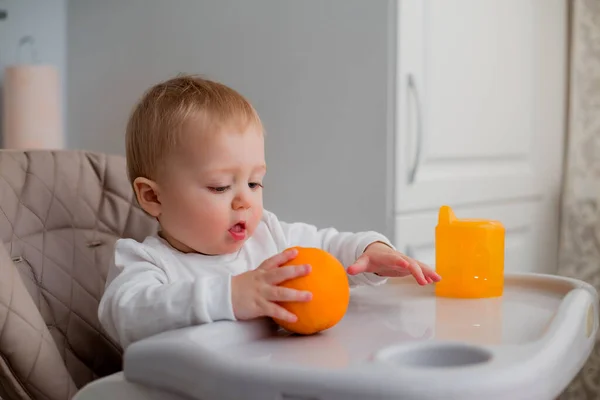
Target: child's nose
241	202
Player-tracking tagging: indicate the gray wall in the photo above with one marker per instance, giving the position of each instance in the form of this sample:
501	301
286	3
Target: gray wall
46	21
316	70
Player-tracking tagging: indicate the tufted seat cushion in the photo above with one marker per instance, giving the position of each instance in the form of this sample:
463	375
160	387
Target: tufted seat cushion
60	214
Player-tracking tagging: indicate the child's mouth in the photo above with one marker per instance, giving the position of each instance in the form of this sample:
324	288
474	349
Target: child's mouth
238	231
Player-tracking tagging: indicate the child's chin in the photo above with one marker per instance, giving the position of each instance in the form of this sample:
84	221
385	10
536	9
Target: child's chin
234	246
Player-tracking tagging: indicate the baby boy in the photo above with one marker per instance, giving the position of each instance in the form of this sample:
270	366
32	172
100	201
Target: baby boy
196	160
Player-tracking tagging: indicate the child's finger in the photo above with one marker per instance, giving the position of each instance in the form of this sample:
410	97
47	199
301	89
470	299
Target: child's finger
273	310
416	271
281	294
360	265
393	259
276	276
430	273
279	259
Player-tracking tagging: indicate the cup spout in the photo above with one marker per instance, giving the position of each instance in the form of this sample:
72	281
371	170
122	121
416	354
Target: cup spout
446	215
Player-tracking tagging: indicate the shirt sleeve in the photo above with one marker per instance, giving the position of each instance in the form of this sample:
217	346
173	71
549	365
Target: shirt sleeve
142	301
345	246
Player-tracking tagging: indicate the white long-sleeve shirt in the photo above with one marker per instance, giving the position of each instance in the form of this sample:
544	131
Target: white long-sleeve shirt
153	287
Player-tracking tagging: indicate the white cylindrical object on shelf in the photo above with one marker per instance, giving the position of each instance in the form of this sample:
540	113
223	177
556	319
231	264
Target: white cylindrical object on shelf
32	117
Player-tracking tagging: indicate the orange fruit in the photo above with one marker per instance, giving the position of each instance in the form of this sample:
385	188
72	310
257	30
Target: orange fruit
328	283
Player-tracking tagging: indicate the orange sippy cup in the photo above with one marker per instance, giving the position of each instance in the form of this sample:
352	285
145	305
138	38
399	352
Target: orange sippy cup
469	256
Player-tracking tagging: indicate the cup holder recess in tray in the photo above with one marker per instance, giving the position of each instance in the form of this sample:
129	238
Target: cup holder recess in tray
433	355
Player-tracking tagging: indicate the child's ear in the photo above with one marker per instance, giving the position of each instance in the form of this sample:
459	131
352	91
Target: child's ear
146	192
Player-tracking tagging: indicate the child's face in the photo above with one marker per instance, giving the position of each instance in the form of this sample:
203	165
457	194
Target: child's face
211	194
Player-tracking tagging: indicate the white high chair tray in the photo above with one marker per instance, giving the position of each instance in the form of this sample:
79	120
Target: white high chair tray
397	341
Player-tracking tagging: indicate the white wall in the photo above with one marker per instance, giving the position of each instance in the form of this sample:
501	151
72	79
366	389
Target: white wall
317	71
46	21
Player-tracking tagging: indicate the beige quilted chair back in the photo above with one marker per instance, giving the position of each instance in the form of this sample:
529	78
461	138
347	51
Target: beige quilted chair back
60	214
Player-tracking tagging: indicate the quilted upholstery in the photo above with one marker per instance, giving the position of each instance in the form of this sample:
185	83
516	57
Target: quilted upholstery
60	214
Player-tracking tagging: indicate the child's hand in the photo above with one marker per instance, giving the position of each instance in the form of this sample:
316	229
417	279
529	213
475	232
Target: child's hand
254	293
382	260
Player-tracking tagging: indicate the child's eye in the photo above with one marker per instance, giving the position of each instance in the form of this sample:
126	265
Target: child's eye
219	189
254	185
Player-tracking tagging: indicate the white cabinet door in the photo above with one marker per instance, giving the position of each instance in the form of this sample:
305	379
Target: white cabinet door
480	113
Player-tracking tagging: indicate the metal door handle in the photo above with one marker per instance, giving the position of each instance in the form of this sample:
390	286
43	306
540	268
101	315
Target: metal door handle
412	90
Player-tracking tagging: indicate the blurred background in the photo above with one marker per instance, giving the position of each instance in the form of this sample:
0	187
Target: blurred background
377	112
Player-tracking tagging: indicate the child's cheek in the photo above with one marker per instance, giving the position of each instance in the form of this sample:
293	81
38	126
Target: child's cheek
216	209
256	216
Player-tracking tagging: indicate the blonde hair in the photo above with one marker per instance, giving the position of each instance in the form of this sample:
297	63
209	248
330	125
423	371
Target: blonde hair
155	124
